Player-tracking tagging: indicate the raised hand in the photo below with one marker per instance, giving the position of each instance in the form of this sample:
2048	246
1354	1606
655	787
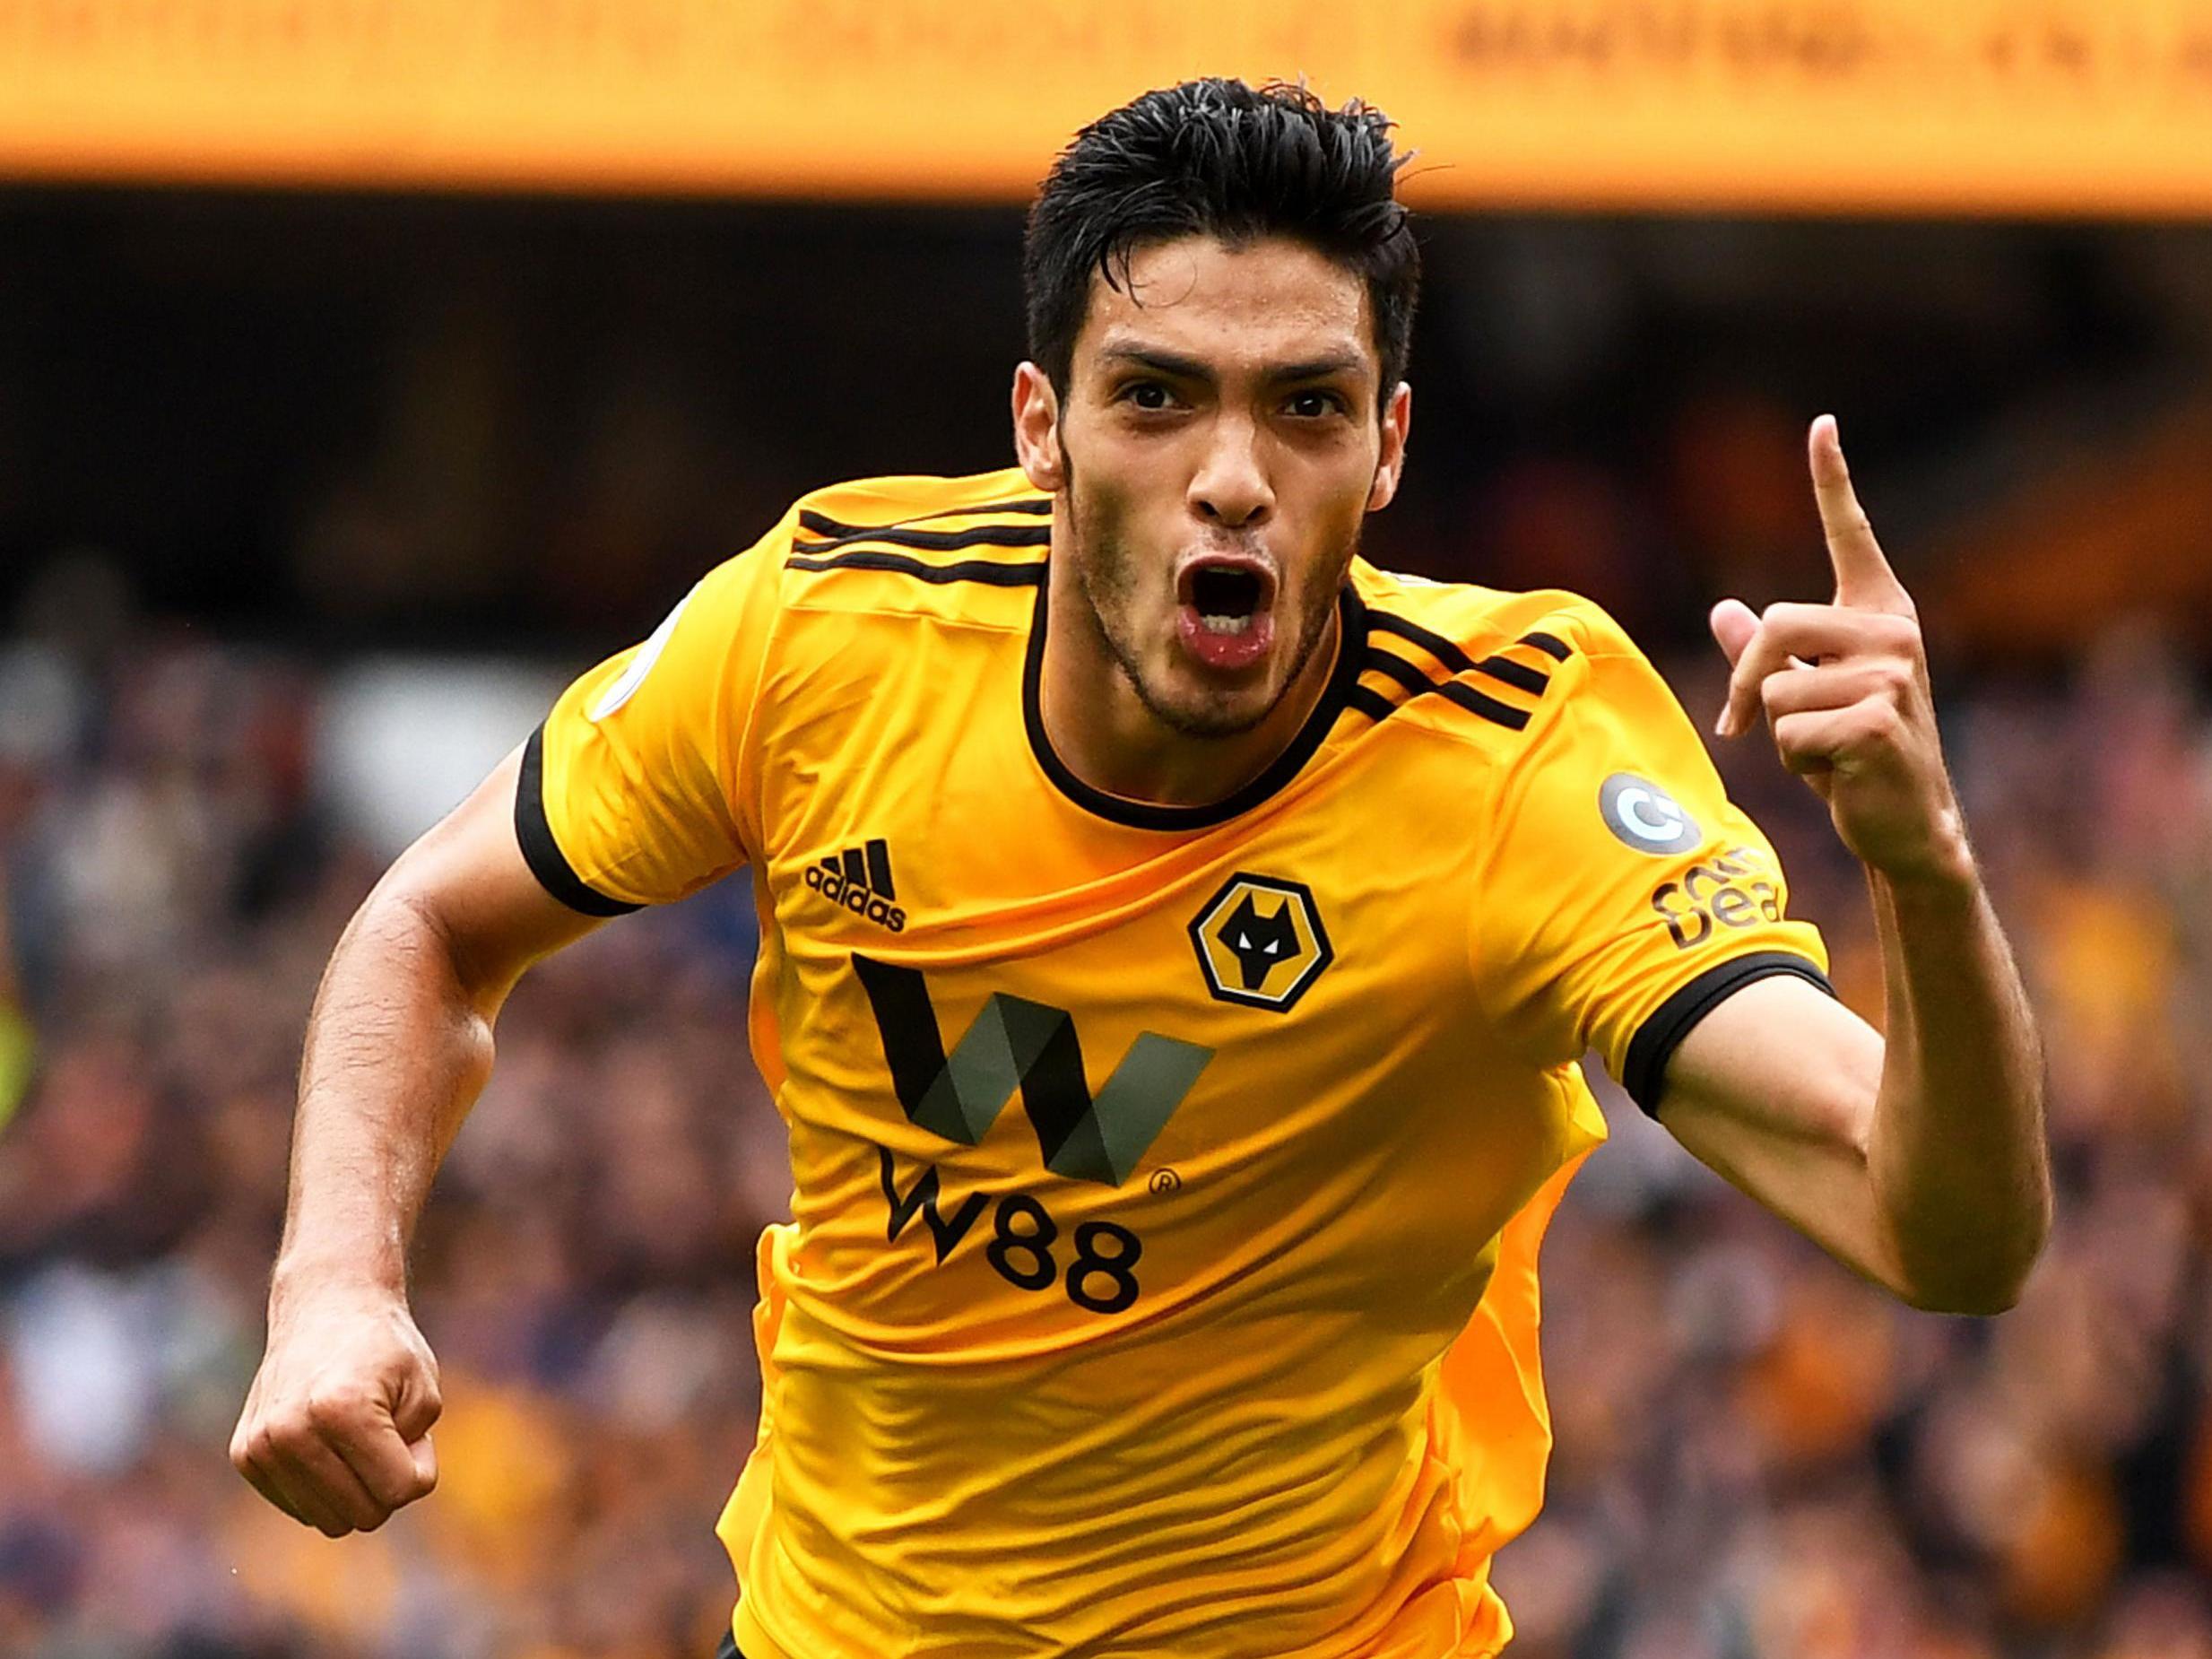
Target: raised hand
1845	687
337	1429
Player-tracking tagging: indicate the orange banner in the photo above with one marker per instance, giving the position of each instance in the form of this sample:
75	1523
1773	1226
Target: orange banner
2037	106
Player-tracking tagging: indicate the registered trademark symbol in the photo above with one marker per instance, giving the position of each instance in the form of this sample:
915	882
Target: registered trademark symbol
1165	1181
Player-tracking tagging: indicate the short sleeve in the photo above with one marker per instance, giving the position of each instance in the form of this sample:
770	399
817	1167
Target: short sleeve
636	788
1621	895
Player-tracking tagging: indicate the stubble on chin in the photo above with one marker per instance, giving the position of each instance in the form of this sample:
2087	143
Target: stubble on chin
1109	582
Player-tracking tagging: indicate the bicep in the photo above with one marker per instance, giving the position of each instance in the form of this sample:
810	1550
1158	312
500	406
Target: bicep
468	879
1774	1089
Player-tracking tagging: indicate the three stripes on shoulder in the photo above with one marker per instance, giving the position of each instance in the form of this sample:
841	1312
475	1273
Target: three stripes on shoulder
1501	688
828	543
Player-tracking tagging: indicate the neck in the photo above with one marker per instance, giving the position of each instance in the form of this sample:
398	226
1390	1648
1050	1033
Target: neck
1104	733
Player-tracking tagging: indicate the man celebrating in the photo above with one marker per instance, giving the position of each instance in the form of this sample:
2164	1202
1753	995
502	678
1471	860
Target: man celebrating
1178	940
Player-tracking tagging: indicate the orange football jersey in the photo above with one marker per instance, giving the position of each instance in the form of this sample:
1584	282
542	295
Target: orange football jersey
1162	1278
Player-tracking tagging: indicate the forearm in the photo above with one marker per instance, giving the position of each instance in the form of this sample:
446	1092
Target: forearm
1957	1152
335	1429
397	1048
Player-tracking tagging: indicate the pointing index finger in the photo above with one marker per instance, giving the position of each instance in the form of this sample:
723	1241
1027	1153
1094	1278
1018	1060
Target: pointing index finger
1863	579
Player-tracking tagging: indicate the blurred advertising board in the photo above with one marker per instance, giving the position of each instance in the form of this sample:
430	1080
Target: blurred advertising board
2097	107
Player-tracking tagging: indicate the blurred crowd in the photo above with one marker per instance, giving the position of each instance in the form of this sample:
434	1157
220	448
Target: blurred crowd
585	1271
1758	1458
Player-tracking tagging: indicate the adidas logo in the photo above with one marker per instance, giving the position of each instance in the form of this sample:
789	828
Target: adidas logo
860	880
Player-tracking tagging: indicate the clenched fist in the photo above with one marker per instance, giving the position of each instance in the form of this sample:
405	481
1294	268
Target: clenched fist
337	1429
1844	688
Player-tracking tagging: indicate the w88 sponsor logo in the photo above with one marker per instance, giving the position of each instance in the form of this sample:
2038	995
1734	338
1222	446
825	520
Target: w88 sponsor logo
1015	1045
1097	1269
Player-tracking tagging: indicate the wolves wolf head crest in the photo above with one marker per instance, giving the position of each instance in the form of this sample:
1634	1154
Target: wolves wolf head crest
1260	943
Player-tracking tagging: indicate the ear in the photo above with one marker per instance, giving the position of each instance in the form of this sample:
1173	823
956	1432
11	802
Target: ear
1389	464
1037	429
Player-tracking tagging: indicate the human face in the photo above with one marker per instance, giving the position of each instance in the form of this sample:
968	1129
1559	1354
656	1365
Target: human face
1219	446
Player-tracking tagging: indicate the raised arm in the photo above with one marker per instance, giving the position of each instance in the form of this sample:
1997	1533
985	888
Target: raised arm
1919	1158
336	1431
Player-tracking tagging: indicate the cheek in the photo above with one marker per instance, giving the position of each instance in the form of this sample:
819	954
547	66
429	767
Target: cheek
1332	479
1337	514
1124	524
1140	477
1099	515
1328	560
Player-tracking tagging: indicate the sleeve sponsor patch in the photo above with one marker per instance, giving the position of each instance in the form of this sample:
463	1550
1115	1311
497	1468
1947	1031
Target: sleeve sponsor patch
1646	818
1726	890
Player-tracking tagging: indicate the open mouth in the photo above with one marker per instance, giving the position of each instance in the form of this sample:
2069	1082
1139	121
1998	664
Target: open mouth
1226	598
1226	611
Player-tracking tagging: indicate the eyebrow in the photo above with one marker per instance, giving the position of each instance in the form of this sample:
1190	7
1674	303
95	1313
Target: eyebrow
1191	368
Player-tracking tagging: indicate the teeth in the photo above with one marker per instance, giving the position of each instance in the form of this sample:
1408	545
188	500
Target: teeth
1226	624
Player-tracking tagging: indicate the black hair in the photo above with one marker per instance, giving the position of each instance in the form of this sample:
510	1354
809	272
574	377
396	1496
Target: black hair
1223	159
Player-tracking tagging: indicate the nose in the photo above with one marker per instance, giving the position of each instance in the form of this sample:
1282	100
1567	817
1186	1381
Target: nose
1231	487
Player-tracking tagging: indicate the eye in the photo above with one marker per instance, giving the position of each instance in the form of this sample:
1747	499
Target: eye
1318	404
1147	395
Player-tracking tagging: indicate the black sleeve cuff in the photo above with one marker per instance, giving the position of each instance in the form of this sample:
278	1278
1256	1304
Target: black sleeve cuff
1645	1076
540	852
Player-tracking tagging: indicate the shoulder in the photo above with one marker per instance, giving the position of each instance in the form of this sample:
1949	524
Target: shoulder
918	500
1494	660
966	550
1479	619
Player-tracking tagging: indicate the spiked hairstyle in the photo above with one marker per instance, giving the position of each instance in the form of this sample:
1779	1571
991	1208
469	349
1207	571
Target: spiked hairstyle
1222	159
